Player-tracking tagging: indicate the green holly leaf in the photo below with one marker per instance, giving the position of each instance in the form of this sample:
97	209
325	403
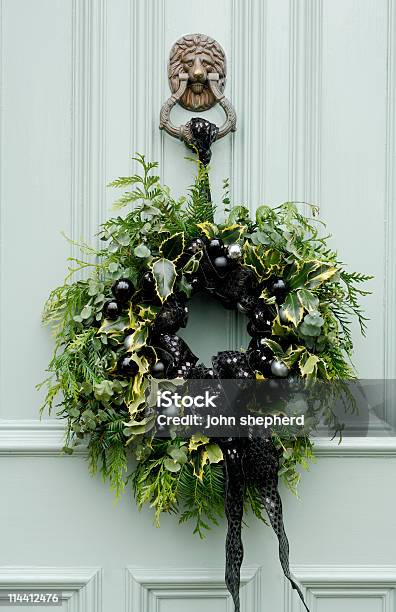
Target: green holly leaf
164	273
292	309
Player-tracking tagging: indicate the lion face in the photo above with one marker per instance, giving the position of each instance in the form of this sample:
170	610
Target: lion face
197	55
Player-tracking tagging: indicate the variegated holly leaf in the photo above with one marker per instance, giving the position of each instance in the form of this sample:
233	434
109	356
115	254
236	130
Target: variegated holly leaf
173	246
322	274
308	300
292	309
164	273
275	348
253	260
232	233
308	364
137	339
210	230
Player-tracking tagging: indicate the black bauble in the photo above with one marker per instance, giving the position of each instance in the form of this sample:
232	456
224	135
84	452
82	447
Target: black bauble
111	310
149	293
279	289
215	247
122	290
158	370
127	367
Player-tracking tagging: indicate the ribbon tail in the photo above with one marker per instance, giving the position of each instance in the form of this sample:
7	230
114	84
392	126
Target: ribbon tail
273	506
264	465
234	496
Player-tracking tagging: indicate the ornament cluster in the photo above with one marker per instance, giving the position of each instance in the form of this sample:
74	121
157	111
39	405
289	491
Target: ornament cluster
221	274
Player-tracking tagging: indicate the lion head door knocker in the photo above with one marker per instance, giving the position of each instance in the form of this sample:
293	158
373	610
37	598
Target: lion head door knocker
197	76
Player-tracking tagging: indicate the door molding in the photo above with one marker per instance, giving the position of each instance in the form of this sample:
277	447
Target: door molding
46	438
146	587
343	581
81	586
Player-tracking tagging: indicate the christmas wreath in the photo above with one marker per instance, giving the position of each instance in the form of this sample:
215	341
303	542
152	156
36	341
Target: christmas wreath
116	335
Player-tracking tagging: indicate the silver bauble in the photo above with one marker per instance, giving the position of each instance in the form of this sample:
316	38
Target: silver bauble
234	251
171	411
278	368
128	342
282	315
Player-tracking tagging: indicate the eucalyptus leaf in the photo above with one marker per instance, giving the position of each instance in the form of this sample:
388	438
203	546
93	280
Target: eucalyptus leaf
215	454
142	251
238	214
123	238
113	267
172	465
86	312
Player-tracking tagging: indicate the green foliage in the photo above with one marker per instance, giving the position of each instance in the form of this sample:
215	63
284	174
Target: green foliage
202	498
311	334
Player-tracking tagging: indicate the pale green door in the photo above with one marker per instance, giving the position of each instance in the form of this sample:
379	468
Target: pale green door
82	83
